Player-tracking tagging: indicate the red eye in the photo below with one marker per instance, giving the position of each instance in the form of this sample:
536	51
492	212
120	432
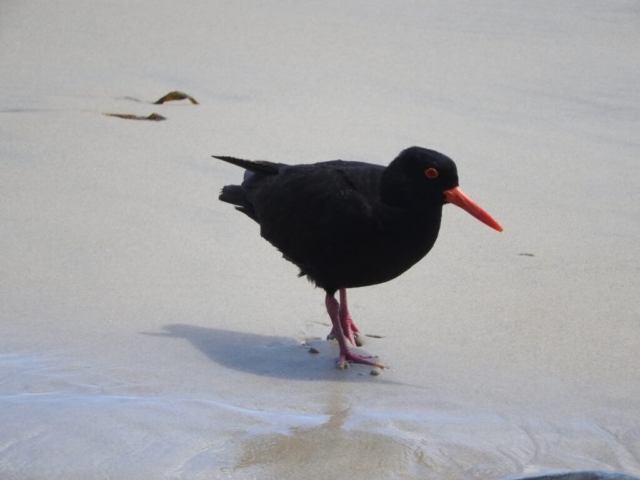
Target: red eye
431	172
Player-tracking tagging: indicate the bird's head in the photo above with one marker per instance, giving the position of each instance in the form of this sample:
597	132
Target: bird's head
426	177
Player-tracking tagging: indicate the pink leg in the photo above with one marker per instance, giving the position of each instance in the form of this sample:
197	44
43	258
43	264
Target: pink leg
349	328
346	356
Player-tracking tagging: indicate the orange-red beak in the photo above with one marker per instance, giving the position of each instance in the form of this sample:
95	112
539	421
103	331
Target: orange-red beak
459	199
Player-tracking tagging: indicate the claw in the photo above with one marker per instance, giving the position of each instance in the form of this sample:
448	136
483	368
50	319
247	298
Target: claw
348	357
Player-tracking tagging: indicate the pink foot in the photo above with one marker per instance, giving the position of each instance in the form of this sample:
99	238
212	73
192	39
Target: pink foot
349	357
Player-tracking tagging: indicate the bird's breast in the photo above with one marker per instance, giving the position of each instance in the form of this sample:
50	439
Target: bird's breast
380	254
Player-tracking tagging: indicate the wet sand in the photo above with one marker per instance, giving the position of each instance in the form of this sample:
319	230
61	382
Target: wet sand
147	331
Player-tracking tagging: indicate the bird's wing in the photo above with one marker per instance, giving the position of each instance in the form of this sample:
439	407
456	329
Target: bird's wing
310	211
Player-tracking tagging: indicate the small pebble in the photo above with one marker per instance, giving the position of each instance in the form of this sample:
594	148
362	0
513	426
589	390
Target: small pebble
314	350
375	372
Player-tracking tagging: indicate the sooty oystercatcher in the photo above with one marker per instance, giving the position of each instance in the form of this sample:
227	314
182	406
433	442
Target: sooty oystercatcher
351	224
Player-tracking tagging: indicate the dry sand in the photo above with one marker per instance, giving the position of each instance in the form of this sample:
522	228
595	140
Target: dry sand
147	331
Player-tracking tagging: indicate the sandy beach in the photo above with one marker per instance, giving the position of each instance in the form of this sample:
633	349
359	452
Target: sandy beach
147	331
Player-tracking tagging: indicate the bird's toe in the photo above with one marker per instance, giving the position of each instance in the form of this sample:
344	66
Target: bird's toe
349	357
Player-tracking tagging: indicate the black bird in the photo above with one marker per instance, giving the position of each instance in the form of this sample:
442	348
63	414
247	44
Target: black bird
351	224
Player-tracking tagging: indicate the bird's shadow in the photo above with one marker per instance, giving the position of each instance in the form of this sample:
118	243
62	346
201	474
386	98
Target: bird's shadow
272	356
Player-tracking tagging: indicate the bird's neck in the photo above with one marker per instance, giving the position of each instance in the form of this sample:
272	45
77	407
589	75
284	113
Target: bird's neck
408	236
397	191
412	217
393	189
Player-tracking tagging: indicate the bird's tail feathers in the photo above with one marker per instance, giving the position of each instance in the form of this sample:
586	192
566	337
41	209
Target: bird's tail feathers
234	195
261	167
